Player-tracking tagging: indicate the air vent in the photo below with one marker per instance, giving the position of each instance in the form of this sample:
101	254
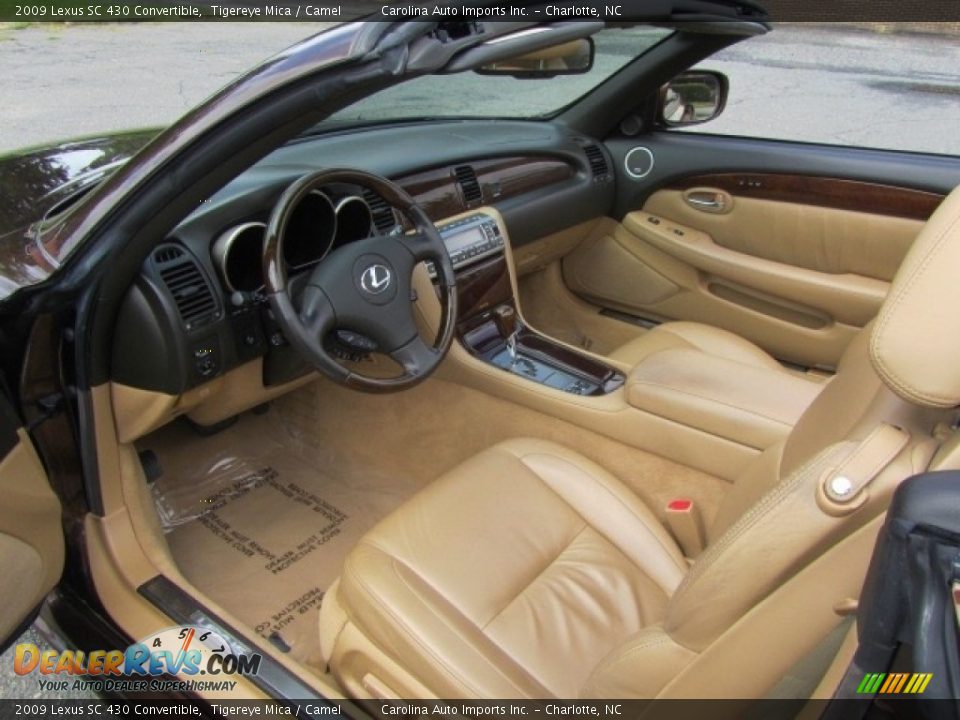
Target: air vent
469	185
382	213
597	160
167	253
187	285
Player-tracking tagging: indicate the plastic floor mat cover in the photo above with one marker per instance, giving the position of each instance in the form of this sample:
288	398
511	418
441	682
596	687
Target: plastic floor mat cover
262	522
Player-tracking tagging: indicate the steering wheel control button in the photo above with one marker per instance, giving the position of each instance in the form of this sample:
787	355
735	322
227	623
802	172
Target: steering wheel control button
376	279
356	341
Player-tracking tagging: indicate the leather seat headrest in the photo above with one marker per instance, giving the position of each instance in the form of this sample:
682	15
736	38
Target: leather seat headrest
915	342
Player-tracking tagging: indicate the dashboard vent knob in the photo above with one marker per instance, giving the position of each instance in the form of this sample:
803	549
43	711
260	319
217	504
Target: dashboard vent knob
187	285
469	185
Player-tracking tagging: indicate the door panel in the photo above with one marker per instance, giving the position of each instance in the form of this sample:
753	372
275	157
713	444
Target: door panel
816	238
645	270
791	246
31	535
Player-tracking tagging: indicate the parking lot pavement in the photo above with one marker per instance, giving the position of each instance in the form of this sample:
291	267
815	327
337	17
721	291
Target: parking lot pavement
845	86
27	688
832	85
70	81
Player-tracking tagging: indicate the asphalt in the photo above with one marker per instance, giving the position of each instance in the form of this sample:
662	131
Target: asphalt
62	81
27	687
841	86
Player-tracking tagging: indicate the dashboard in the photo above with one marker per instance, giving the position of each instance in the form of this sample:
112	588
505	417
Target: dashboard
198	309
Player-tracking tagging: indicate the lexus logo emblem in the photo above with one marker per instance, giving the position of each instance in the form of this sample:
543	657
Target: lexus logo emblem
376	278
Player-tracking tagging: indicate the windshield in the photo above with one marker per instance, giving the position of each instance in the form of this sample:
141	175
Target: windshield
471	95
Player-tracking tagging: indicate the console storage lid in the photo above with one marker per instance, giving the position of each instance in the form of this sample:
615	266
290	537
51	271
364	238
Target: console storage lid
749	405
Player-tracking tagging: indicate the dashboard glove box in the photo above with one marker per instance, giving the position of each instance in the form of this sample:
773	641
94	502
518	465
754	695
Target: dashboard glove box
749	405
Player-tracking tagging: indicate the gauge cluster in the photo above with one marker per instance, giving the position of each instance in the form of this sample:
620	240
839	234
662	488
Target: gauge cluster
322	221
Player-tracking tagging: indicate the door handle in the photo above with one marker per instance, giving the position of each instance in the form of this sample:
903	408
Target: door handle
714	204
708	200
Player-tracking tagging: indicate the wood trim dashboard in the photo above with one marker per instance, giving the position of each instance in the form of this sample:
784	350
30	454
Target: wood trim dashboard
827	192
440	194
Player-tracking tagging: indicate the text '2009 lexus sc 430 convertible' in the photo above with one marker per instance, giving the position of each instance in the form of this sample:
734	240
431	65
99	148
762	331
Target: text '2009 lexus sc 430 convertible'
366	380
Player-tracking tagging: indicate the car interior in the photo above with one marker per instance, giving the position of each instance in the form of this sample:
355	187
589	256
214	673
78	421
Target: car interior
535	408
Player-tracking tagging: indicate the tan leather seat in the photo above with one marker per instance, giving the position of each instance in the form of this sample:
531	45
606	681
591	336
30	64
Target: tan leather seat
695	336
531	572
526	554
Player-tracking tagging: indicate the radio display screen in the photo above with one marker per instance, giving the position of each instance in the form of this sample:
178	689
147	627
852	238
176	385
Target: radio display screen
463	239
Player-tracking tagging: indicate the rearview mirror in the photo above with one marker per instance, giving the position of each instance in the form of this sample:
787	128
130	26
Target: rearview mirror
573	57
692	97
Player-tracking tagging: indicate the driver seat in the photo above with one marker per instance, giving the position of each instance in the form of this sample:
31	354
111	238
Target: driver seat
531	572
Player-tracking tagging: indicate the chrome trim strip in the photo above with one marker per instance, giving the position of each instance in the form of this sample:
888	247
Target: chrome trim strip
221	250
337	241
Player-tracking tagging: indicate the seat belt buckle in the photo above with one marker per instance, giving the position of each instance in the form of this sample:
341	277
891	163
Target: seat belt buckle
686	526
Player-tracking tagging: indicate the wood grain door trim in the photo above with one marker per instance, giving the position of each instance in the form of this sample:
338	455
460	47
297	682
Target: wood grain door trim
828	192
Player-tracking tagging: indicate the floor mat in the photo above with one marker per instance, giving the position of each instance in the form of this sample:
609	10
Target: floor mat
262	523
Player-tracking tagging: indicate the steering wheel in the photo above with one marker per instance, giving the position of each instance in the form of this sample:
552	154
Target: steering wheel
363	286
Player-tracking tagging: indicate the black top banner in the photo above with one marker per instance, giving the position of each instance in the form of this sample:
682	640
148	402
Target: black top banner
872	11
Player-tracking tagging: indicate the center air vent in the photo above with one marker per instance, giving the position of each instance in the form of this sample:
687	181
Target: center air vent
187	285
469	185
383	217
598	161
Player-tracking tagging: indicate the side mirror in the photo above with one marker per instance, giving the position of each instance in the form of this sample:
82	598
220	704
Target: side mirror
692	97
573	57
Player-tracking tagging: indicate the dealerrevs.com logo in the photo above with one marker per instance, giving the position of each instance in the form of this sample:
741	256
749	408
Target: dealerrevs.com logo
200	654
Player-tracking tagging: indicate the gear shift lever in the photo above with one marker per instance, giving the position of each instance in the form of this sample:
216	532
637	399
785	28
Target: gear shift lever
505	318
512	348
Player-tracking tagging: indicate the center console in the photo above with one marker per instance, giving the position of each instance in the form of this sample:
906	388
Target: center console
489	326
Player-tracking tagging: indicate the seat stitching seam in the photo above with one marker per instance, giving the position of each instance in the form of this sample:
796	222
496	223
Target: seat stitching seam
604	487
394	563
707	351
635	649
895	302
358	578
499	671
540	574
607	490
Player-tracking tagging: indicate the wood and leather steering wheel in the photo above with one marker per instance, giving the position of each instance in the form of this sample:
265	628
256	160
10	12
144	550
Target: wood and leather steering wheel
363	287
